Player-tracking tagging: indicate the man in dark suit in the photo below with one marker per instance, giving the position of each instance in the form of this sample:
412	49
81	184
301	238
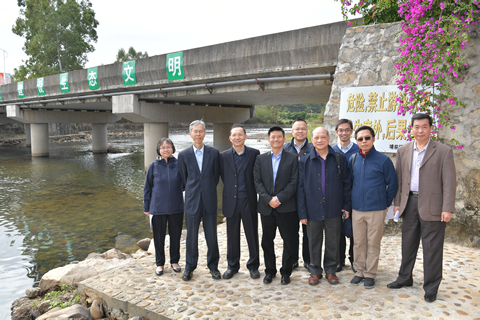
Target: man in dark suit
425	200
240	201
199	168
276	177
300	147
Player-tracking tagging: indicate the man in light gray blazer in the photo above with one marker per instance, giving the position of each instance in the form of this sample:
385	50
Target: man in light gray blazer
425	199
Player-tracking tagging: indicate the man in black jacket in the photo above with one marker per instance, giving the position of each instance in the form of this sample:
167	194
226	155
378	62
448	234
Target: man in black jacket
300	147
240	201
276	177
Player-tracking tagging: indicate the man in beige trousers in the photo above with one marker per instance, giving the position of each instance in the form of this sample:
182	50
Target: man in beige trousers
374	187
425	201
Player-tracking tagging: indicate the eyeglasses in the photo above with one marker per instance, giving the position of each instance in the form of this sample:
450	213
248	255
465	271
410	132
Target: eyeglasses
166	148
367	138
198	132
344	131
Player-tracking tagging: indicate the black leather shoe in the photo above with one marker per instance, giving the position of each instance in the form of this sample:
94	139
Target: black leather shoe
396	285
158	272
430	297
356	280
228	274
268	278
254	274
305	265
177	270
187	275
216	274
353	269
285	279
339	267
295	265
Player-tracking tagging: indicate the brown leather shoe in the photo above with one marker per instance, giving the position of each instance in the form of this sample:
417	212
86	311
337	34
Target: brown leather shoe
314	279
332	278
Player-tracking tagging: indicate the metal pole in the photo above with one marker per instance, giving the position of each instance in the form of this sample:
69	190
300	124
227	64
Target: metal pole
4	54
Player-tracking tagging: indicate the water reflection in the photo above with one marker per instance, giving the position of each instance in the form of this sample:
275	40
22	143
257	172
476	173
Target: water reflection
59	209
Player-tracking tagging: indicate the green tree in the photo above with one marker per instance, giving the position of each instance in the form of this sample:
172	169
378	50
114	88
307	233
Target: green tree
132	54
58	35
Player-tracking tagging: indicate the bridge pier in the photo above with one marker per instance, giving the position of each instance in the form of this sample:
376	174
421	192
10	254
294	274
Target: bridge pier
99	138
28	135
152	133
156	117
39	139
221	132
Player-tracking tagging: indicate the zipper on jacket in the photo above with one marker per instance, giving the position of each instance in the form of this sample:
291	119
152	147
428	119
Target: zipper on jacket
169	197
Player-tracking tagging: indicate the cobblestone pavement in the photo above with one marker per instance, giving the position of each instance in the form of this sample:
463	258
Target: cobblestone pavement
136	289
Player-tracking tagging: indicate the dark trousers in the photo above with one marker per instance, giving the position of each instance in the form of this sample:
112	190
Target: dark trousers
315	229
210	232
159	225
305	250
432	234
286	223
342	247
250	227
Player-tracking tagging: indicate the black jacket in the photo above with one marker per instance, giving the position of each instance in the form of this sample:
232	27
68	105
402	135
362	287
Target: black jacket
285	183
228	173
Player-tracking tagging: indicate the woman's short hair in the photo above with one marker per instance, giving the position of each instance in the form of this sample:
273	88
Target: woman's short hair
167	140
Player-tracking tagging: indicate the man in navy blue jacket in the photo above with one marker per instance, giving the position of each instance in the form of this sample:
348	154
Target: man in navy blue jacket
323	194
374	187
344	130
300	147
200	171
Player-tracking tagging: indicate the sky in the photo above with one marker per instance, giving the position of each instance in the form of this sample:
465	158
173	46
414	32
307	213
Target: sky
161	27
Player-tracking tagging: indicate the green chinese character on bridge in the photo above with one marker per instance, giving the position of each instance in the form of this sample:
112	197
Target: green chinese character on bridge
64	88
1	93
175	66
128	73
93	78
41	86
20	91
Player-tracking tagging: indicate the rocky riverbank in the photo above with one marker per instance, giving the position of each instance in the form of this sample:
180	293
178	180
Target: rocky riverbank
57	295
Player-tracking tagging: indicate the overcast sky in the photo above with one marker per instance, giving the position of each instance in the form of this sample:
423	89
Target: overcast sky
160	27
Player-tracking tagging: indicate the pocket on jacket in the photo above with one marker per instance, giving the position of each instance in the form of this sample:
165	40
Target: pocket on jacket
436	203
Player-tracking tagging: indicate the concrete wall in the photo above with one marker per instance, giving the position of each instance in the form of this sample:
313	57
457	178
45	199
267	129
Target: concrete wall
299	52
366	58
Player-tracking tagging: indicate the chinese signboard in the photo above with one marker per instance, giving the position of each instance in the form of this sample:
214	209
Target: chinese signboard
1	94
175	66
128	73
41	86
20	91
64	88
93	78
376	107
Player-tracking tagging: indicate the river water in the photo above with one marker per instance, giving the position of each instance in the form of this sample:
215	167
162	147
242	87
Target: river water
57	210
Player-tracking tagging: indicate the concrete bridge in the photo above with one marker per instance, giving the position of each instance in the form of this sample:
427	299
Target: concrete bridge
220	83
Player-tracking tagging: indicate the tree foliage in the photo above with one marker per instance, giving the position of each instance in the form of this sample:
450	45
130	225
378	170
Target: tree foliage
58	35
132	54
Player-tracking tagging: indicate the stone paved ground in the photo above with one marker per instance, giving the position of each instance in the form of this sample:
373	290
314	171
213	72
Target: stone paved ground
137	290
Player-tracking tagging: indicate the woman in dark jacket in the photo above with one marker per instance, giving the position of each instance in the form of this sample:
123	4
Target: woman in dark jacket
163	199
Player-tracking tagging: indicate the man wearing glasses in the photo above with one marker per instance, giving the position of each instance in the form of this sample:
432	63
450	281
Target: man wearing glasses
374	187
344	129
300	147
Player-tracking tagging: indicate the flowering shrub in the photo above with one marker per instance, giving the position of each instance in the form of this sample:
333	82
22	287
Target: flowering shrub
434	34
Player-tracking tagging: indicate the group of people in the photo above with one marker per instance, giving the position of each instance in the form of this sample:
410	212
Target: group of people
311	184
